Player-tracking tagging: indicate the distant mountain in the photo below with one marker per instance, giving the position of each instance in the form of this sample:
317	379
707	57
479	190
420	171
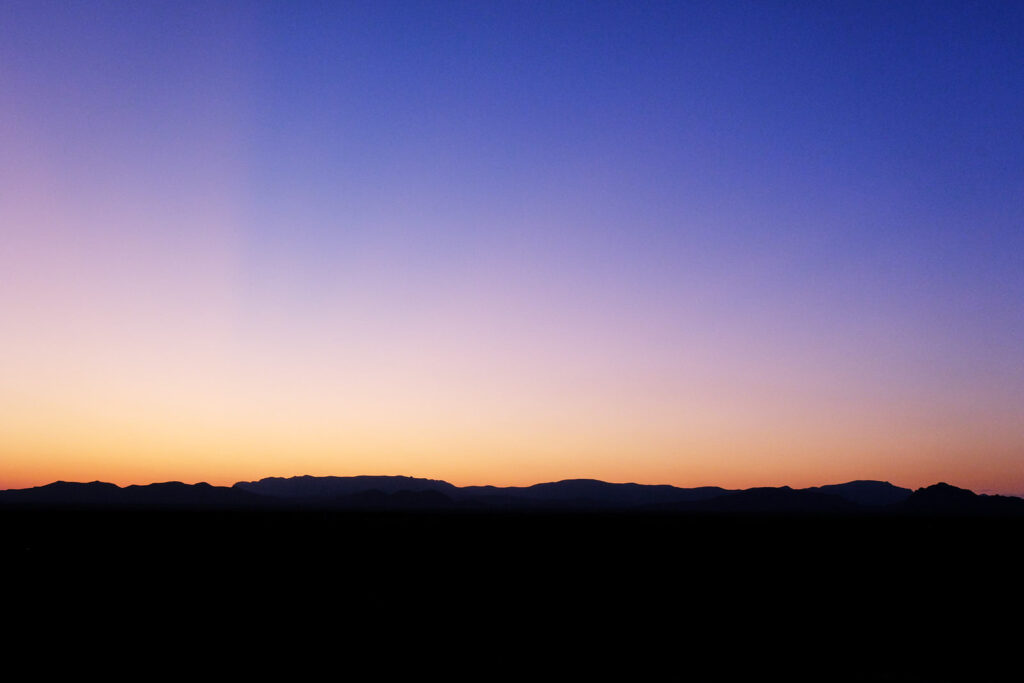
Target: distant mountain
175	493
65	493
569	493
587	493
781	499
411	493
944	499
767	500
98	493
865	492
332	487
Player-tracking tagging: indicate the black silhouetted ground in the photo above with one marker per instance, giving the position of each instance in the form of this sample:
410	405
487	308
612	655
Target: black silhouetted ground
418	585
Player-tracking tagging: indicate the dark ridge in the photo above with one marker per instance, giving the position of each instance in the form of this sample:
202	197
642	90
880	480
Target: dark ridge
65	493
594	491
769	500
103	494
330	487
411	493
866	492
944	499
575	493
177	494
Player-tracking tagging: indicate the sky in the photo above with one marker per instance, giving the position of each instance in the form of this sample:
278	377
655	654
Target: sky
691	243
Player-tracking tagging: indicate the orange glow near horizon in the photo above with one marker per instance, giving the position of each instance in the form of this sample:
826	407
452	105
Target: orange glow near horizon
128	446
103	381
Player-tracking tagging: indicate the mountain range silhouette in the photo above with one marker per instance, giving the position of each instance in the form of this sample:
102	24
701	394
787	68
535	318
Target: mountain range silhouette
869	578
410	493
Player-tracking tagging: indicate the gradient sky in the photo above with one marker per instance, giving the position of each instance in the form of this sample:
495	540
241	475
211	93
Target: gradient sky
693	243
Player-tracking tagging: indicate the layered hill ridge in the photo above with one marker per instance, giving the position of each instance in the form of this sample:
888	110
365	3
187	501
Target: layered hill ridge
584	493
412	493
163	494
320	487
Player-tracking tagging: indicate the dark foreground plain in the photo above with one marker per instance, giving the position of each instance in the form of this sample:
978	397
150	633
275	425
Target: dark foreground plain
473	594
